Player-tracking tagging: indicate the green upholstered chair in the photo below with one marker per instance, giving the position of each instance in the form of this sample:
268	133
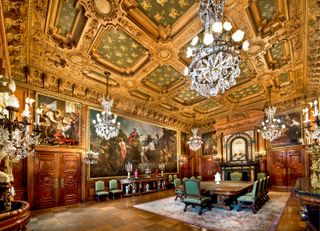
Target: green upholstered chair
249	199
267	188
192	178
192	195
175	177
113	188
100	190
185	178
236	176
178	188
261	175
170	178
199	178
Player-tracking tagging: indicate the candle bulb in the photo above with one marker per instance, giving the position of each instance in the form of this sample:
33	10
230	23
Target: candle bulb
38	113
316	111
307	115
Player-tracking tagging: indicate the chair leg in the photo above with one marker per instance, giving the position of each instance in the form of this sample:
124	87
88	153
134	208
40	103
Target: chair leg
185	208
200	212
176	198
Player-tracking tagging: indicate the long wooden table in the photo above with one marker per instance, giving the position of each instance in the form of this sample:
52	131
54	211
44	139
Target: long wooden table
222	194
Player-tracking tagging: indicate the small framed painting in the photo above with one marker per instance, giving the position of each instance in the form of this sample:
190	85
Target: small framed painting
59	121
209	145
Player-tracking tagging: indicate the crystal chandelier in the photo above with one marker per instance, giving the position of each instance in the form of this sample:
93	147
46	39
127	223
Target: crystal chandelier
272	127
106	124
312	127
16	140
195	141
215	61
91	157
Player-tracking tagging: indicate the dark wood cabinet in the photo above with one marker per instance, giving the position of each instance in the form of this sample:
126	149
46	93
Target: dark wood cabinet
286	166
57	179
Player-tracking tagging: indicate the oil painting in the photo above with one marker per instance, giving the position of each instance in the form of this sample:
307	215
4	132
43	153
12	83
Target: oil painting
59	121
185	149
144	145
292	133
209	145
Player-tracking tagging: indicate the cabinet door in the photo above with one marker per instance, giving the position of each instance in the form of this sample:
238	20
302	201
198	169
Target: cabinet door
296	166
70	180
279	175
46	180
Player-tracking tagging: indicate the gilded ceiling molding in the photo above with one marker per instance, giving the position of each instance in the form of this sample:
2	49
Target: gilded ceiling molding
268	16
106	10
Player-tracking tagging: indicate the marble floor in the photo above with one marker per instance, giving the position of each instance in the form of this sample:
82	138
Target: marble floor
120	215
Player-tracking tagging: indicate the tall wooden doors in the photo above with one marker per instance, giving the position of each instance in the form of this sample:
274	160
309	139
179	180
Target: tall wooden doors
57	179
286	167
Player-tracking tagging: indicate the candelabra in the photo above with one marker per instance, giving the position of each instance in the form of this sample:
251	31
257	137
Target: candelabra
312	138
128	168
91	157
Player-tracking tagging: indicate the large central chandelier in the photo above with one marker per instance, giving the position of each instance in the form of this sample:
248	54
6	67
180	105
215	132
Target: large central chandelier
272	127
106	124
216	60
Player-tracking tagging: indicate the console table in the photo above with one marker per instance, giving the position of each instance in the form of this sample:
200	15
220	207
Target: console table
309	198
137	186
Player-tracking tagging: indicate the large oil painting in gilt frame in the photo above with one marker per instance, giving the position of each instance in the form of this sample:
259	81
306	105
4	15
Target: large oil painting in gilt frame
292	133
209	145
59	121
142	144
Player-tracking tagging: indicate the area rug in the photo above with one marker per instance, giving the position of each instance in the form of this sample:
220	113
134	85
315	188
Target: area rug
266	219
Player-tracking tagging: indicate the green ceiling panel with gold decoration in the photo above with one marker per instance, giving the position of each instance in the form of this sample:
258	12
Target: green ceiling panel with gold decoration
163	76
245	92
66	16
267	8
164	12
119	48
247	70
188	97
208	105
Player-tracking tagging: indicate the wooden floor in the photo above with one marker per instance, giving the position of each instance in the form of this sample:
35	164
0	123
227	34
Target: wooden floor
120	215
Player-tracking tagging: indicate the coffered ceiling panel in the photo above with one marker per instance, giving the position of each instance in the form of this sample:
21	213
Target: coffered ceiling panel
119	48
245	92
278	55
163	78
267	8
188	97
164	12
208	106
66	16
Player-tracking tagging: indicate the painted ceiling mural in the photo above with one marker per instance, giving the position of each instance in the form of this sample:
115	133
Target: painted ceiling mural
68	54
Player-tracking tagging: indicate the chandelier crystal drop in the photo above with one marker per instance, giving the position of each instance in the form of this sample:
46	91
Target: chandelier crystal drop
215	61
106	124
195	141
272	127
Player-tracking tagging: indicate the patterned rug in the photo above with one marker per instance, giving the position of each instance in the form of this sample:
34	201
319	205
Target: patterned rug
266	219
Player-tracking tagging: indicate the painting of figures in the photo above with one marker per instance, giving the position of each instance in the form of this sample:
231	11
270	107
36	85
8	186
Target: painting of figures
292	133
143	145
59	121
209	145
185	149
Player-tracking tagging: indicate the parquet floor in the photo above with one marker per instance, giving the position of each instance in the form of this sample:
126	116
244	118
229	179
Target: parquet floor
120	215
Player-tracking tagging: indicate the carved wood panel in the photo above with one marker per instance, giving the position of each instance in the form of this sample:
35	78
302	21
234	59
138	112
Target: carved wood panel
70	178
57	179
286	166
209	168
19	171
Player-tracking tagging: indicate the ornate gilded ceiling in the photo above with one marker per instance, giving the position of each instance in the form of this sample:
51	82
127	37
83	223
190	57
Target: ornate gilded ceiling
67	45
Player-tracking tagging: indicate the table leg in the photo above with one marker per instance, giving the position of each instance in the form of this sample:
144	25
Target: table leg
223	201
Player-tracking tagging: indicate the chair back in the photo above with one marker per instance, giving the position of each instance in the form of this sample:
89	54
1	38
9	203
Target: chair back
177	182
192	178
175	177
267	183
260	187
191	188
170	179
113	184
261	175
185	178
99	186
236	176
199	178
254	188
